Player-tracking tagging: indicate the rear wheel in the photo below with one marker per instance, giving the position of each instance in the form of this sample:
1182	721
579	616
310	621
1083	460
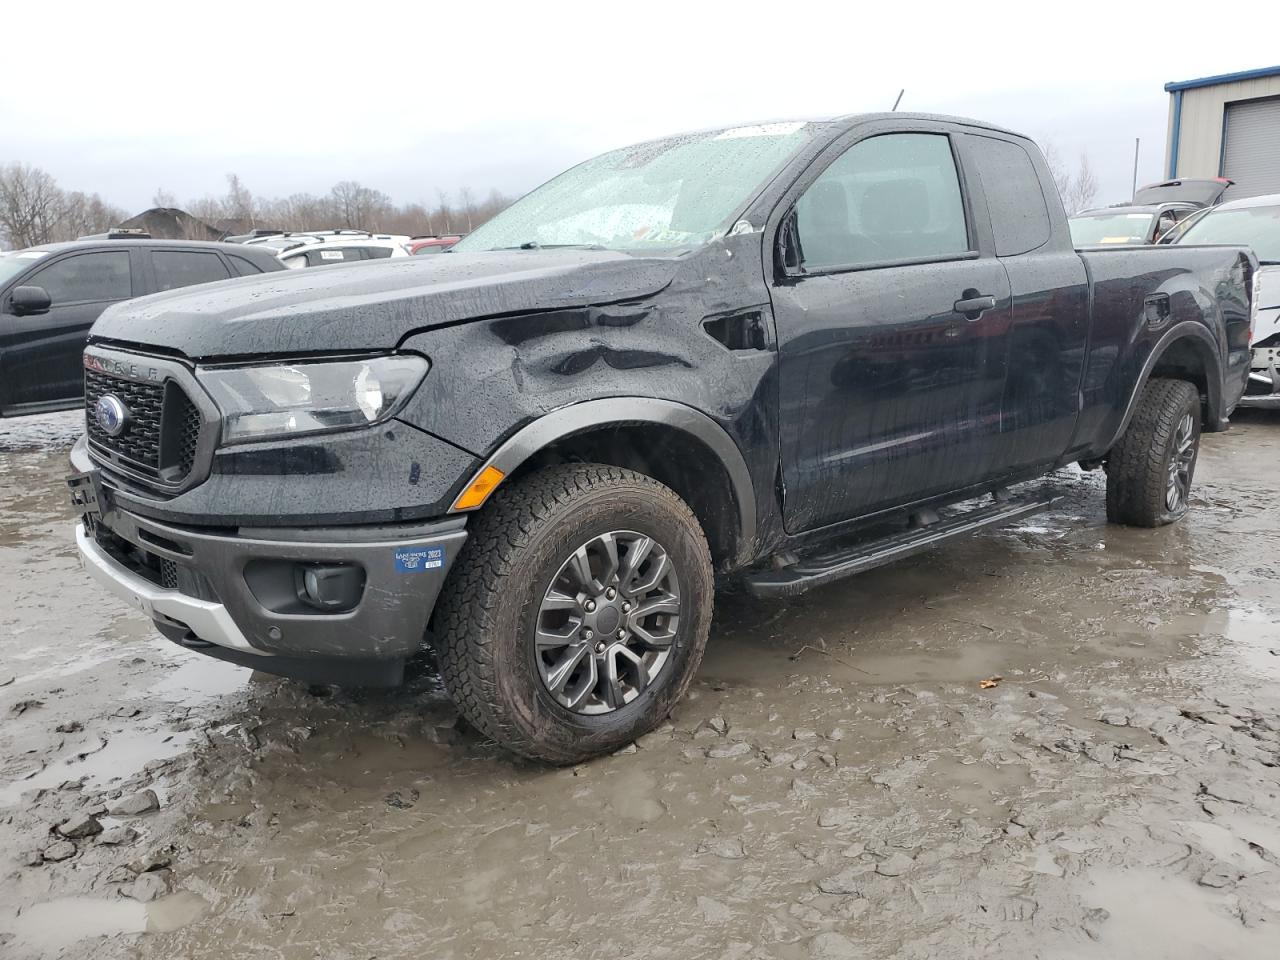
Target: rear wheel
1149	472
577	613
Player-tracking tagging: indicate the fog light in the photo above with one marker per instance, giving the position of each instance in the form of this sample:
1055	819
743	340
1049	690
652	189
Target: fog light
331	588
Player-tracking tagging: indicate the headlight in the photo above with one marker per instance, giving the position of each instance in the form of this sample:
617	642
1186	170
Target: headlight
286	400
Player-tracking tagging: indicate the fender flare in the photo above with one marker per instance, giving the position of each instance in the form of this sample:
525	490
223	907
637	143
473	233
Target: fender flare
1186	330
621	411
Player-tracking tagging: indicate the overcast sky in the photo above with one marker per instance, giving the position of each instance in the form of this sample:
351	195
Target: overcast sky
124	98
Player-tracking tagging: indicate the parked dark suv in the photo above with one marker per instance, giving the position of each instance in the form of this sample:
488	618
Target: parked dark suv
51	295
782	352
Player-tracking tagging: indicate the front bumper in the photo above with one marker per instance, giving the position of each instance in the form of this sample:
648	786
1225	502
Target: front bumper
1263	389
234	595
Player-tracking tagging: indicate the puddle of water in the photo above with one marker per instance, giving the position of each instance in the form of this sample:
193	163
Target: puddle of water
57	924
200	678
124	755
1253	636
1172	918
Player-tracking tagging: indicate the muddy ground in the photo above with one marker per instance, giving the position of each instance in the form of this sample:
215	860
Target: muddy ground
838	784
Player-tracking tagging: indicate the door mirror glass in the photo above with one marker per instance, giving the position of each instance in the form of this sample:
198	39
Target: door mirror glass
29	301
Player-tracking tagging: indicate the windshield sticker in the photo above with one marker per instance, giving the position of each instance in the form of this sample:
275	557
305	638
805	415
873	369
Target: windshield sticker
761	130
1137	216
418	559
330	254
1115	239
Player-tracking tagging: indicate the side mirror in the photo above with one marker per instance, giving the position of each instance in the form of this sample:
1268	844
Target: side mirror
29	301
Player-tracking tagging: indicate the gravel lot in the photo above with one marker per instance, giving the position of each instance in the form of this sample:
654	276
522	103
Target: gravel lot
839	783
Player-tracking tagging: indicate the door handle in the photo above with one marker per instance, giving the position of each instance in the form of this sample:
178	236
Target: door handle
974	305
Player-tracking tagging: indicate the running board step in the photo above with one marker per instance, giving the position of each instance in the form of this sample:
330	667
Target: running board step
814	571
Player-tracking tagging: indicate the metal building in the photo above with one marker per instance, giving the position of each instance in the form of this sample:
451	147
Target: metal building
1227	126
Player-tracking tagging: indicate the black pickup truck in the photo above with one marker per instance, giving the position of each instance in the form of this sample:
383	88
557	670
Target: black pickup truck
785	352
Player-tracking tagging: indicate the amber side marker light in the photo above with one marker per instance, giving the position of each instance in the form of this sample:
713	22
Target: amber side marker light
478	490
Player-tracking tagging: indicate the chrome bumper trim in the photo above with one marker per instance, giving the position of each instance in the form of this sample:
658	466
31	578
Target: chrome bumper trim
207	620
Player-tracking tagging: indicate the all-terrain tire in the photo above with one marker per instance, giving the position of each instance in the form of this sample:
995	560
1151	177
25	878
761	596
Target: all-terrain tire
1141	466
487	615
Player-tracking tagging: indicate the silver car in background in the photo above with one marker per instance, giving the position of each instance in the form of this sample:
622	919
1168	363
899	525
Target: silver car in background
1253	222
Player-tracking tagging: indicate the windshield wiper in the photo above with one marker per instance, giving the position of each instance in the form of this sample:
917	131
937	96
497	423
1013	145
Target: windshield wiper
535	245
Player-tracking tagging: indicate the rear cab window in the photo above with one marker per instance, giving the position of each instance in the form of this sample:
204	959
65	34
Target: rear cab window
1015	199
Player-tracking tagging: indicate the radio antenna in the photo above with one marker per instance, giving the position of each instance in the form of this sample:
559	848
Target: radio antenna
898	101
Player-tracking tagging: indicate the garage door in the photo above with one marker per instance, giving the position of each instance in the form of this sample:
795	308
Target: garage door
1251	154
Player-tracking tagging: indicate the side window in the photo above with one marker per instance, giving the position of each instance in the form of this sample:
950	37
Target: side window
245	268
87	277
1015	200
183	268
377	253
892	197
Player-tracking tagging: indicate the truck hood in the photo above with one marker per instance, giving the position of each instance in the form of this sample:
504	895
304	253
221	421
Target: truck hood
374	306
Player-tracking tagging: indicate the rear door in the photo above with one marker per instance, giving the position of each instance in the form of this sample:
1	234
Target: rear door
42	353
1050	320
892	331
174	269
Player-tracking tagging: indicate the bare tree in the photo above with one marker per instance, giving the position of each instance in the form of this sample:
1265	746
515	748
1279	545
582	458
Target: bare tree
359	207
468	206
33	210
83	215
239	201
31	205
443	214
1084	186
1077	190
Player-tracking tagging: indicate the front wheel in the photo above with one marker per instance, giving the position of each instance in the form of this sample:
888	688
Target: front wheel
1149	471
577	612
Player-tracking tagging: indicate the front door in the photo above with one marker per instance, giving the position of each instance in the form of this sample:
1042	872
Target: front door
42	353
892	332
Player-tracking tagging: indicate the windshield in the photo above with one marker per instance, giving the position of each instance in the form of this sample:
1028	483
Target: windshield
1256	227
12	264
677	192
1110	228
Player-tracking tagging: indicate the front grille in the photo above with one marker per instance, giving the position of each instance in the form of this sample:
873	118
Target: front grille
187	420
168	574
140	443
163	432
154	568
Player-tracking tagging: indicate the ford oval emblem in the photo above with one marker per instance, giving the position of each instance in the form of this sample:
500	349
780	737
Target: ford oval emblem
112	414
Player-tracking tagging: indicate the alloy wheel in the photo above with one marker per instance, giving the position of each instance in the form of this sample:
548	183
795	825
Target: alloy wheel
606	624
1184	453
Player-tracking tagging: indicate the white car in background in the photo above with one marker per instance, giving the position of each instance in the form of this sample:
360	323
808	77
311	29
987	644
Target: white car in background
322	248
1253	222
